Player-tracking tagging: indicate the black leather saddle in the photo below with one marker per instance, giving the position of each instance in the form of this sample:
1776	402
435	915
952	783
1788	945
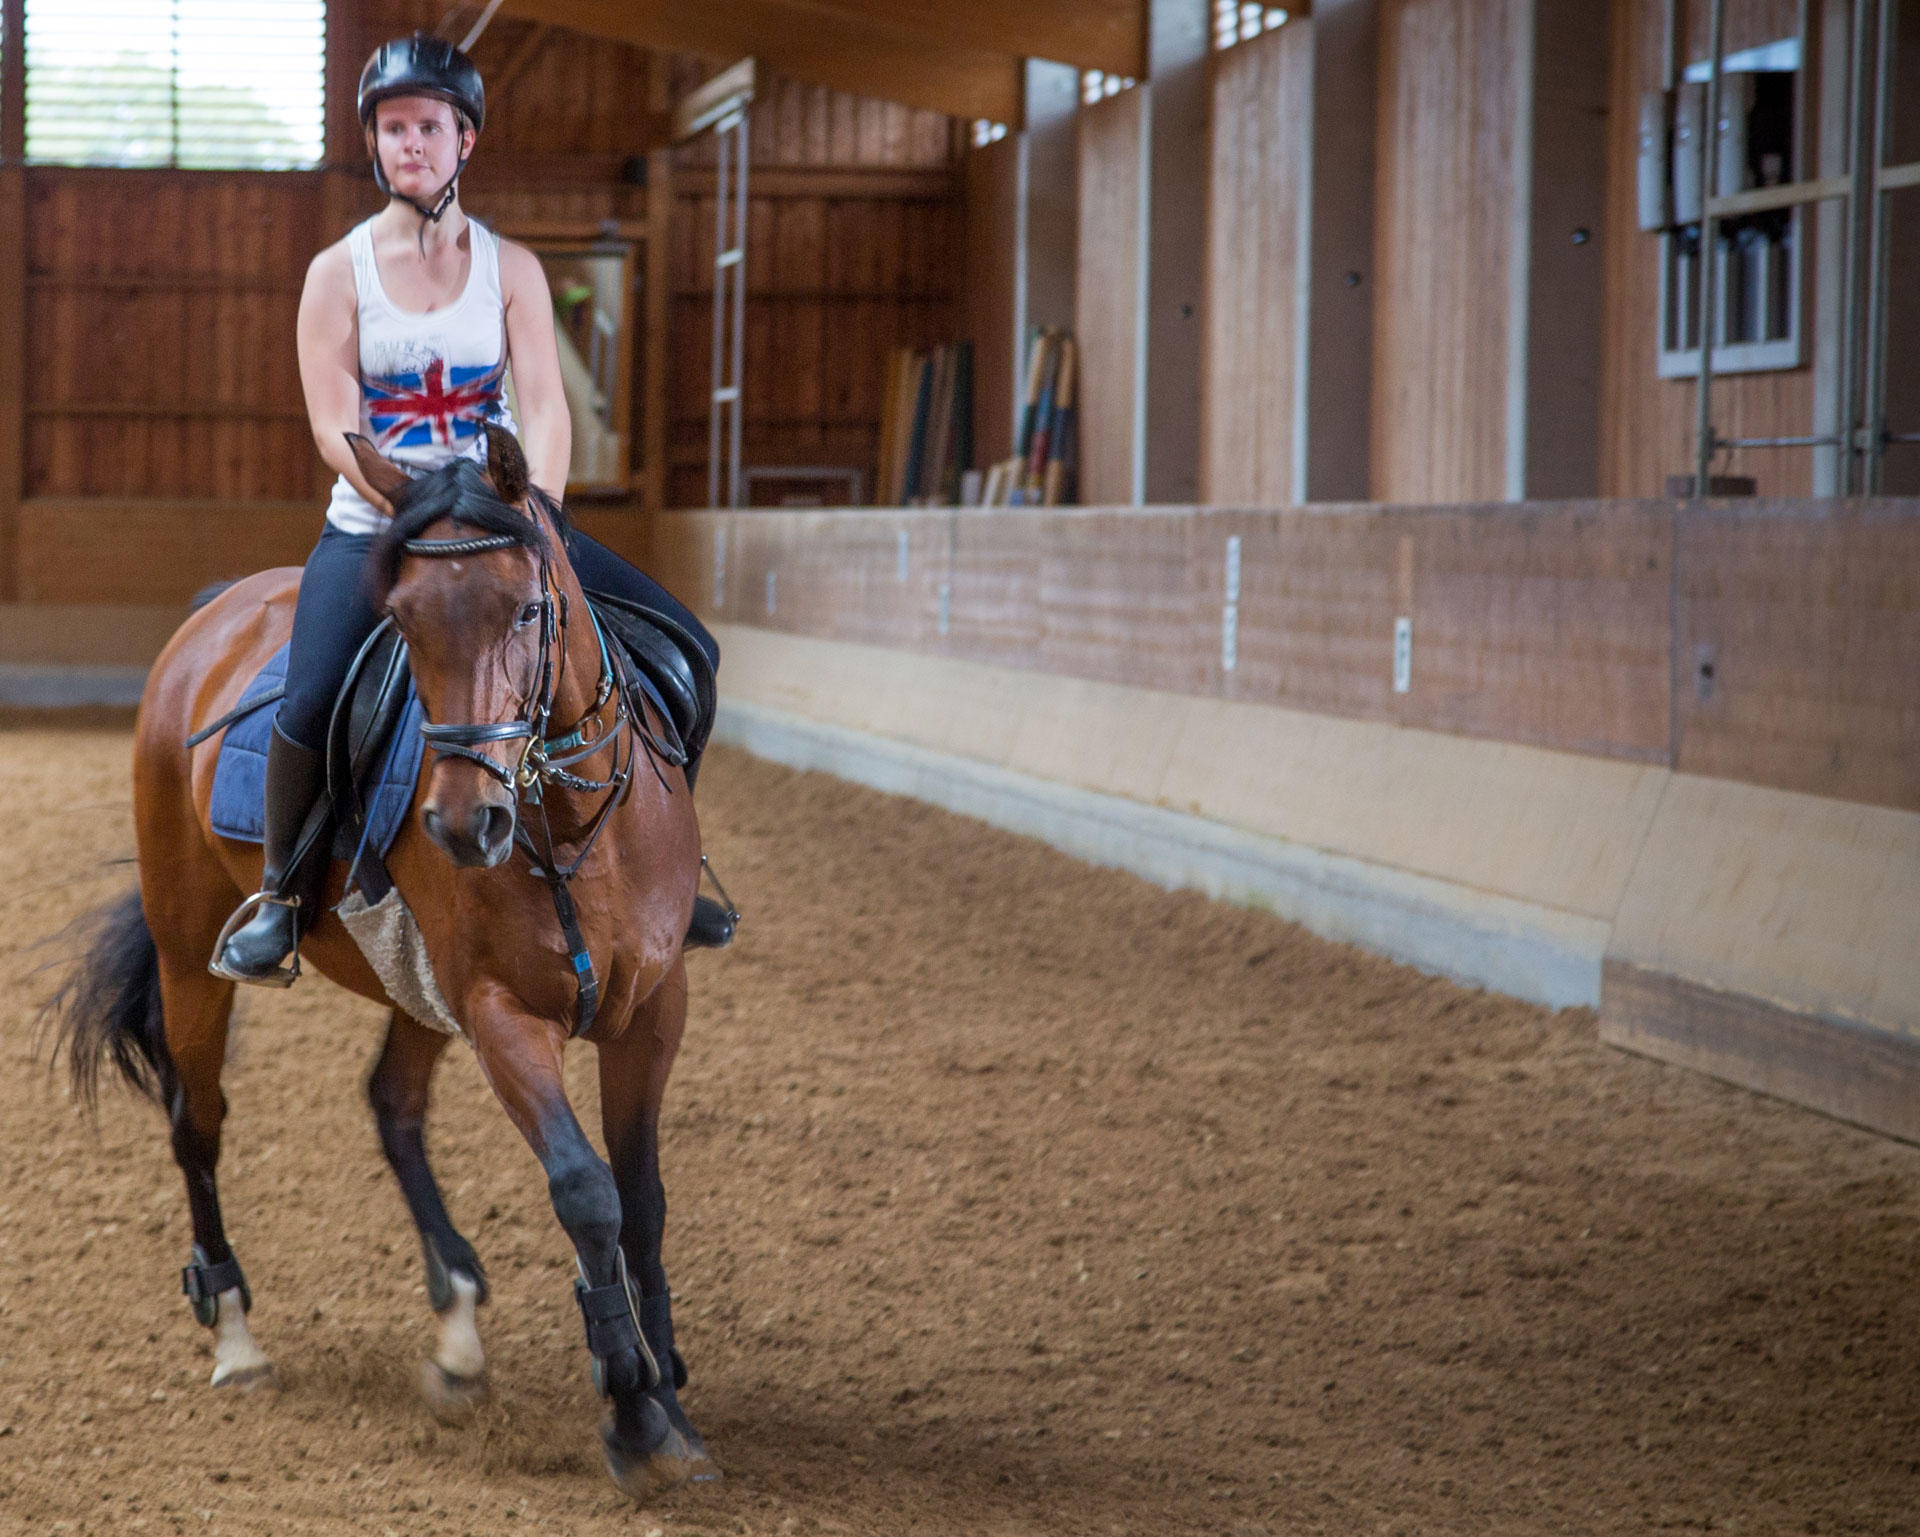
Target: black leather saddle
667	663
366	713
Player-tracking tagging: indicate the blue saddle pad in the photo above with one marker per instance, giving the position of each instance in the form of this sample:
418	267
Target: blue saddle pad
240	777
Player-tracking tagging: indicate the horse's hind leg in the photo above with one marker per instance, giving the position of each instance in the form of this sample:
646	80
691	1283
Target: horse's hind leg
633	1084
453	1378
195	1007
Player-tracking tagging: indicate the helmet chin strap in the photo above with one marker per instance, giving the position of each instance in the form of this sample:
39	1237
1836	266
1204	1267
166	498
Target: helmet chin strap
434	214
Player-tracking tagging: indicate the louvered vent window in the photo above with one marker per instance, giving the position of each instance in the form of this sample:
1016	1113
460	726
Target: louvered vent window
201	84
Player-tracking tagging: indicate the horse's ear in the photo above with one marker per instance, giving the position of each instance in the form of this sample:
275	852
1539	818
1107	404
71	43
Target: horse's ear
382	474
507	466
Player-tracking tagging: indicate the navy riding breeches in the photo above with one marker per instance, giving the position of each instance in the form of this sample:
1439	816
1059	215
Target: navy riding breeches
335	616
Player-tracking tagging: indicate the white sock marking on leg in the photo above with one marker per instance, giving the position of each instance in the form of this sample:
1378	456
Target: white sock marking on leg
458	1353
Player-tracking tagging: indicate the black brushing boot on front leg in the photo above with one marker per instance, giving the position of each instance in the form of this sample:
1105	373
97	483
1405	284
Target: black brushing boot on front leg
257	950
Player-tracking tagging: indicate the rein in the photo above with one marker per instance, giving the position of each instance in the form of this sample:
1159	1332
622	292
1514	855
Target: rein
548	759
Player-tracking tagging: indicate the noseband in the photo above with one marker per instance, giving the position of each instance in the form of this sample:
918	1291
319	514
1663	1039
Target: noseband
546	760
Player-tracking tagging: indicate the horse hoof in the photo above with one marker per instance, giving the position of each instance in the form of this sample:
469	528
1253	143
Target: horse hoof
672	1465
451	1400
246	1377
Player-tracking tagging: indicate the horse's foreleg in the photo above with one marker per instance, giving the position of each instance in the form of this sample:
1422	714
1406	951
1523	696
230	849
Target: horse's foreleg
453	1378
521	1058
195	1008
633	1083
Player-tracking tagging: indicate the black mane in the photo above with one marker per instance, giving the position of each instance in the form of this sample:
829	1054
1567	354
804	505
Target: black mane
458	490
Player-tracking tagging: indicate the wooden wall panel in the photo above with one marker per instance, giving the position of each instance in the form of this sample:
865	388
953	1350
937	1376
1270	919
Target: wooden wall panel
1108	297
995	573
838	574
1118	593
842	267
854	247
791	124
159	343
1261	103
163	551
1538	623
1798	647
1548	624
1647	423
1574	626
1443	210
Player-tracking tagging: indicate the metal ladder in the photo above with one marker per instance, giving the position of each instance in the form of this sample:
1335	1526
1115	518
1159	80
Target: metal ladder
729	305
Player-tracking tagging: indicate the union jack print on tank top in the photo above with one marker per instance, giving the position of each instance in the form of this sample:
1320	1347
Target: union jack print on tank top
443	407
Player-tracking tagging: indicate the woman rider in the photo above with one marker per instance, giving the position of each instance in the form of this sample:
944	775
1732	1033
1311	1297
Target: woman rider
406	330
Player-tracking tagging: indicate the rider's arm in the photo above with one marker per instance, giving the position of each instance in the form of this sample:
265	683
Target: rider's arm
329	342
546	430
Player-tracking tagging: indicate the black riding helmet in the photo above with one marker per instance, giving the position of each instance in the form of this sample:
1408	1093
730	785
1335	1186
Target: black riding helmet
423	65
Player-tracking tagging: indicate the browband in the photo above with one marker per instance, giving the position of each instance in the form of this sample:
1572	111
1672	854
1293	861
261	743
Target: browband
478	546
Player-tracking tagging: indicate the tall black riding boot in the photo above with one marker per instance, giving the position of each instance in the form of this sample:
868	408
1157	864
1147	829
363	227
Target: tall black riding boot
257	950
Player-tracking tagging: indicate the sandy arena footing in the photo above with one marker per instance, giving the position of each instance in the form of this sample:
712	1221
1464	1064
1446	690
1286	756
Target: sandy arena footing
1007	1195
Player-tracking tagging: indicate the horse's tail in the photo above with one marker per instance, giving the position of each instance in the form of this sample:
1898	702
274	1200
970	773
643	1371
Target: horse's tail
108	1008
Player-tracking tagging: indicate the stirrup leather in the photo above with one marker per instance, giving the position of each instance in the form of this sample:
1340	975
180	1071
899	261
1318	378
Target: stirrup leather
280	976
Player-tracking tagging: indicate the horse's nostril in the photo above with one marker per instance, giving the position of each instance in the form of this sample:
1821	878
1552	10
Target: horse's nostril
493	826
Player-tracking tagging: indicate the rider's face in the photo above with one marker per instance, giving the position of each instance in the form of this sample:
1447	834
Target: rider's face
419	141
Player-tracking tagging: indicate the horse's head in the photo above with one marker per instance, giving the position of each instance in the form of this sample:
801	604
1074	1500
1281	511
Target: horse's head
477	617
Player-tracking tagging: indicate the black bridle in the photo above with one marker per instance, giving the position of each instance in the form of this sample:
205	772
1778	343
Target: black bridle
549	759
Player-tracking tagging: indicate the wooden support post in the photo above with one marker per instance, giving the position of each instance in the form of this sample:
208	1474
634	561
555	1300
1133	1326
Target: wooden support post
1555	270
346	140
1050	236
1899	468
1023	236
13	294
1333	359
1179	106
653	411
1830	29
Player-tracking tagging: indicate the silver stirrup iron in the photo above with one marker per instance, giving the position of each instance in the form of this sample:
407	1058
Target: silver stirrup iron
282	976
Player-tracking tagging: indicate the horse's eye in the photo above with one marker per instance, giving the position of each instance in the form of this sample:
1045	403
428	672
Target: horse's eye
527	615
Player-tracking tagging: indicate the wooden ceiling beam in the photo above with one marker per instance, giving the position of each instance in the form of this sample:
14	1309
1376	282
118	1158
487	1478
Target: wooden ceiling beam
866	58
1088	34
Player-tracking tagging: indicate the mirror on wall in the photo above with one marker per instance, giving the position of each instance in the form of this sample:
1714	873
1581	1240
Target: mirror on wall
594	286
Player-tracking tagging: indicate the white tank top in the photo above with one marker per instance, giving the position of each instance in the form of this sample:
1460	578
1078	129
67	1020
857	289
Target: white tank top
428	383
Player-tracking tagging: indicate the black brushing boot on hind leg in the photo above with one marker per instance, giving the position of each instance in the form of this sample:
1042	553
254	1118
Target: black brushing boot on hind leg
295	867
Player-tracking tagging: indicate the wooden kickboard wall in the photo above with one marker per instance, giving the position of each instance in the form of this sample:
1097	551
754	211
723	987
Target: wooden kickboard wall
1575	626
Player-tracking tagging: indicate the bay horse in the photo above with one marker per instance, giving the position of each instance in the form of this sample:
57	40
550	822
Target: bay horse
474	572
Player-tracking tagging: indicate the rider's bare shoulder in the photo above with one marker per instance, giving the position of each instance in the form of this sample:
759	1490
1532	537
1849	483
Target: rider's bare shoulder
520	269
330	275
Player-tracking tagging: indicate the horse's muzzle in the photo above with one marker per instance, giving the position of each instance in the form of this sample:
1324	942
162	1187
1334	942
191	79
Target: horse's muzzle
482	842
